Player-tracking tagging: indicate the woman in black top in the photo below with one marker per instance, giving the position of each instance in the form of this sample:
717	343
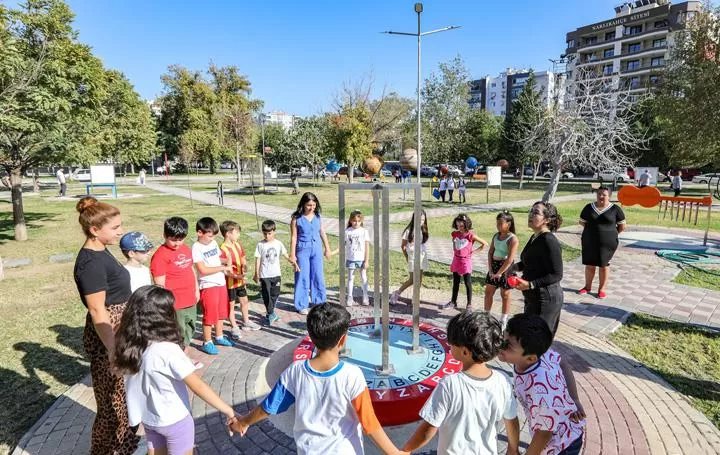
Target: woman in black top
104	287
602	221
542	266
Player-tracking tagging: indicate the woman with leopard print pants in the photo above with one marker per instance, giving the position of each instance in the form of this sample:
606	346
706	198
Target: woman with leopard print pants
104	287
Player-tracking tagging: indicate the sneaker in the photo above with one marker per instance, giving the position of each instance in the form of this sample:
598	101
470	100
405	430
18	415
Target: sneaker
198	364
445	306
223	341
602	295
366	301
394	298
350	302
304	311
250	326
209	348
235	333
583	291
273	318
470	308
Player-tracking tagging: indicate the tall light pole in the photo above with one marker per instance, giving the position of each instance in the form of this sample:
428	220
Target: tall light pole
262	130
419	34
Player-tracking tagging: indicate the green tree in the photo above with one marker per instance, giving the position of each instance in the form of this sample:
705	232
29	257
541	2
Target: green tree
445	112
687	103
350	136
48	80
483	133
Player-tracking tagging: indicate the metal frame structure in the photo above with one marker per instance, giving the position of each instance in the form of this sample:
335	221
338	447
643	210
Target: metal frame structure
381	259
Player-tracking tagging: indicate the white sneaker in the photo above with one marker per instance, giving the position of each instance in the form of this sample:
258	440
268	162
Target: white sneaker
366	301
350	302
235	333
250	325
394	298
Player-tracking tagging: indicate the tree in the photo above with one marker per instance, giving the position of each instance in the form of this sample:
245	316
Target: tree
596	129
305	144
526	113
350	136
687	102
482	138
48	80
445	112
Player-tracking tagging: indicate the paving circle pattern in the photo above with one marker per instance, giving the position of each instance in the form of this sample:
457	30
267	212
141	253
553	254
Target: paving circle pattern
399	395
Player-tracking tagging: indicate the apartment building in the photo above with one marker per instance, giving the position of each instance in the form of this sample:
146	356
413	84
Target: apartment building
286	120
630	49
496	93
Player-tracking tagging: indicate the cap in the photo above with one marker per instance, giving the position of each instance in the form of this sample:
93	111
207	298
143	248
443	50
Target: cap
135	241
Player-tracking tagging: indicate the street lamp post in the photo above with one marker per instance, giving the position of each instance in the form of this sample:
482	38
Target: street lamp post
262	130
419	34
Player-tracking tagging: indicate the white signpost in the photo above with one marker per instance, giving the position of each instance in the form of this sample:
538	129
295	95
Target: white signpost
102	175
494	178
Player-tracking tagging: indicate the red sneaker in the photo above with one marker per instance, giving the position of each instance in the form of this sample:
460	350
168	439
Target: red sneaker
583	291
602	295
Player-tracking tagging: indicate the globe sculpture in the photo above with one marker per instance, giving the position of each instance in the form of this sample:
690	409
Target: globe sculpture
333	166
503	164
443	170
471	162
409	159
373	164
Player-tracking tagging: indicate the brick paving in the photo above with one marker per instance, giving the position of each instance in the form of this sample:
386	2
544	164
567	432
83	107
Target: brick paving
630	409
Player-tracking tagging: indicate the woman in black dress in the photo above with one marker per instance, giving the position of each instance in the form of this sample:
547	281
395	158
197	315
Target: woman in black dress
542	266
602	222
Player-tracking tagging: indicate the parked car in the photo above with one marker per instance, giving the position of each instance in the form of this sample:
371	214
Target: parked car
389	168
428	171
612	175
565	174
451	169
81	175
707	178
356	172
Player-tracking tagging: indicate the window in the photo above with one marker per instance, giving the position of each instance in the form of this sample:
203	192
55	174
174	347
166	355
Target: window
608	53
634	47
493	84
633	30
571	43
502	112
633	65
607	69
609	36
654	79
660	42
590	40
661	24
657	61
633	83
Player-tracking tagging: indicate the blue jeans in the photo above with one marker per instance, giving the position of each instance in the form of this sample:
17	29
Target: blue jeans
310	277
574	448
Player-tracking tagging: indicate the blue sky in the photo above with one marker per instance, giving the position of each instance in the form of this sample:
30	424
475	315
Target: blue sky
297	54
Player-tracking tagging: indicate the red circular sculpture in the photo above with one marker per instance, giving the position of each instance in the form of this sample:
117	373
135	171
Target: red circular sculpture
398	405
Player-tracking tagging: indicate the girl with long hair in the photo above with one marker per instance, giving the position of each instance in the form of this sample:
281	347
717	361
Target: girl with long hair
158	373
357	255
408	249
503	249
461	266
307	243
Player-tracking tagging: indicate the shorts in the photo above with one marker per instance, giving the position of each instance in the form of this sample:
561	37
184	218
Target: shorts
411	261
215	304
235	294
502	282
177	438
352	265
186	320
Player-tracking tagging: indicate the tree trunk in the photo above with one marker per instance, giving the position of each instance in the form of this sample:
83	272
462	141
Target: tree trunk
522	176
557	163
536	169
36	182
18	212
351	173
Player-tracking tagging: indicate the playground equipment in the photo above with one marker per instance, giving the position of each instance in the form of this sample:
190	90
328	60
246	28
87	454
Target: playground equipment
650	197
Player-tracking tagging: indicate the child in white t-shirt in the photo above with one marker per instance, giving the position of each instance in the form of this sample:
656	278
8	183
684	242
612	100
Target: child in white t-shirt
544	386
158	373
135	246
357	254
267	268
211	279
465	407
331	397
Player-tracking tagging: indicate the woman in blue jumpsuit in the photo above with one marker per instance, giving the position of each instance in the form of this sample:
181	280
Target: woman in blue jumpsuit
307	242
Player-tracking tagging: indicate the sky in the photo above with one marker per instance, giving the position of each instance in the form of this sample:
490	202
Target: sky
298	54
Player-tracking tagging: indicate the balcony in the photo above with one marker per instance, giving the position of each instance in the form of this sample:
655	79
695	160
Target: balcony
645	50
637	69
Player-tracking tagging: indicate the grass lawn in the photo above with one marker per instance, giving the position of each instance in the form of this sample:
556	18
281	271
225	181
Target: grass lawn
708	279
41	349
685	356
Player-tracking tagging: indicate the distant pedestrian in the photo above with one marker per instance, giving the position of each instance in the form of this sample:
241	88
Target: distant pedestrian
141	176
443	187
61	181
461	189
451	187
677	183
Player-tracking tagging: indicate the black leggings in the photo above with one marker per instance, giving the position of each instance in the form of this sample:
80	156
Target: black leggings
467	278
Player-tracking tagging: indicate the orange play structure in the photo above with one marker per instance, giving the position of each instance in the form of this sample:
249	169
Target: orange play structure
650	197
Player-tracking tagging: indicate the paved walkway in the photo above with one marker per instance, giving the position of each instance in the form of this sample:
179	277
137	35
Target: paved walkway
630	410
